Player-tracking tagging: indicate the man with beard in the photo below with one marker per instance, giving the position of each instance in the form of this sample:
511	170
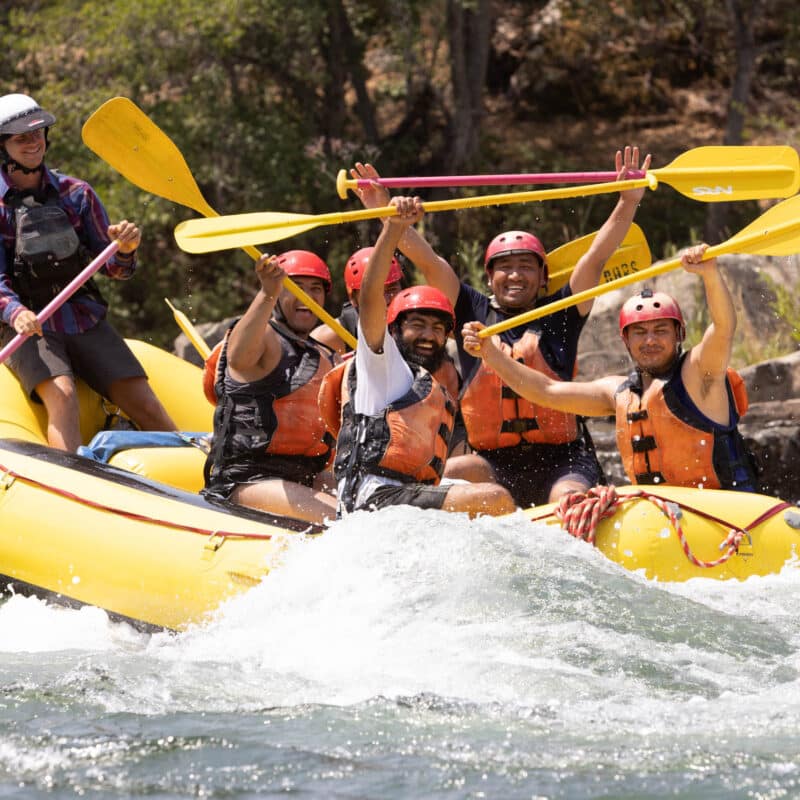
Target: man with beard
270	448
677	413
51	226
393	418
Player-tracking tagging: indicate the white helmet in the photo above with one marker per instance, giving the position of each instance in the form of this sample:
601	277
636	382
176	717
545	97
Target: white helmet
20	114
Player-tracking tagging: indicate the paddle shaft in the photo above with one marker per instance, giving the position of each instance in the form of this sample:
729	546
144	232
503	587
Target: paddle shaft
737	244
62	297
512	179
189	330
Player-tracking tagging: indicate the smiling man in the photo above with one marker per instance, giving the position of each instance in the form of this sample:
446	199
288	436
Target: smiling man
393	418
51	226
677	413
270	447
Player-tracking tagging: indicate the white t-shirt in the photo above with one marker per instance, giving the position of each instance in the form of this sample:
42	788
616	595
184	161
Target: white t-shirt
382	379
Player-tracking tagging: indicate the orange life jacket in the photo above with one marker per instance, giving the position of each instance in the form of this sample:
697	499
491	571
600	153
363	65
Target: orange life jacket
330	396
210	374
408	442
661	440
447	376
496	416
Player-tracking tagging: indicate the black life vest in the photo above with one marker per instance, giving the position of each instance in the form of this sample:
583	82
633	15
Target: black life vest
349	321
48	253
270	426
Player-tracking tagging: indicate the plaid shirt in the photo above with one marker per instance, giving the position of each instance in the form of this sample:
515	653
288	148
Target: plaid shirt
90	220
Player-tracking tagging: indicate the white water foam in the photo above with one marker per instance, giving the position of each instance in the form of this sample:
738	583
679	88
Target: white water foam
409	603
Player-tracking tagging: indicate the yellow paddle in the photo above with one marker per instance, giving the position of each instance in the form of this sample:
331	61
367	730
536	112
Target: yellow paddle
129	141
775	233
729	173
704	173
632	255
192	334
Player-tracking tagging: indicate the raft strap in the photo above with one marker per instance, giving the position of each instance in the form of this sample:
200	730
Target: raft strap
132	514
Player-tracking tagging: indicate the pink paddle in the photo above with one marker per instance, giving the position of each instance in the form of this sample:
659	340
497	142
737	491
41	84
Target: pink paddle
62	297
343	183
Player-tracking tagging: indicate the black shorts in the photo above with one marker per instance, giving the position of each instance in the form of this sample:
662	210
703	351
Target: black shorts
529	471
408	494
99	356
295	469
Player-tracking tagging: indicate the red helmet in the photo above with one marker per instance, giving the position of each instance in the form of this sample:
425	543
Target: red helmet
420	298
513	242
357	263
305	264
649	305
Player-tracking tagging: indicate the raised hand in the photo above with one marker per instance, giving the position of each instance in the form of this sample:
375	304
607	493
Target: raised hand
624	162
374	195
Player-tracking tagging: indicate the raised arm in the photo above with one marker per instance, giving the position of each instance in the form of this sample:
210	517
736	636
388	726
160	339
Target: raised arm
589	269
708	361
412	244
589	399
254	348
372	304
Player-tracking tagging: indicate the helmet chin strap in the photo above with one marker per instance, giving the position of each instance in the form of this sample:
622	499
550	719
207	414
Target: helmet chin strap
14	166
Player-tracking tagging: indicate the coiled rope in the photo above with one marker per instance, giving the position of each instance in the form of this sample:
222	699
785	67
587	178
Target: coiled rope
580	514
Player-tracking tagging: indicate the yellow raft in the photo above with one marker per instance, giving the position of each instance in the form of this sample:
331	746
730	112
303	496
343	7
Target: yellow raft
133	536
673	533
137	545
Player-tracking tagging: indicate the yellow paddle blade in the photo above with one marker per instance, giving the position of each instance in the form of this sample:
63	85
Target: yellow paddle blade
233	230
125	137
129	141
718	174
632	255
775	233
191	333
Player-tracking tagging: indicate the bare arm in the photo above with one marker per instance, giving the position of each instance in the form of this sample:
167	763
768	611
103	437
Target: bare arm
589	269
372	304
254	348
590	398
328	336
704	372
438	273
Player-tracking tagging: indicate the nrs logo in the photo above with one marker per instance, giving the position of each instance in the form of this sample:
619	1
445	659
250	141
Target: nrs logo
705	190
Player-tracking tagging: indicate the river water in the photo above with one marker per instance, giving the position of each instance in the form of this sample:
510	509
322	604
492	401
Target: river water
410	654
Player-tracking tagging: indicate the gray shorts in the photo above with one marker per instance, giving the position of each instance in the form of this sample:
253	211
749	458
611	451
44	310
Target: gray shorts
408	494
99	356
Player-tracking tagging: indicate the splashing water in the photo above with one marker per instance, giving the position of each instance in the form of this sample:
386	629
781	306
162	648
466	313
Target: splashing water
411	653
